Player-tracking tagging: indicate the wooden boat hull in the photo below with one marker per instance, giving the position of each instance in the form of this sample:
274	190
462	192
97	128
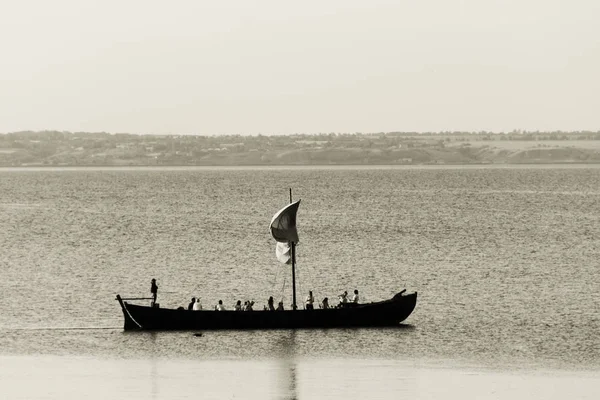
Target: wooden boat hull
384	313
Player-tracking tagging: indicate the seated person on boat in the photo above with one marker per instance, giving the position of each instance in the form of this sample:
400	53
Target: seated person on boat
191	305
248	305
343	299
220	306
197	305
355	297
309	301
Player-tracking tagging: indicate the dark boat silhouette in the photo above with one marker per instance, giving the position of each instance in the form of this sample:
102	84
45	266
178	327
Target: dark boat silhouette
384	313
283	228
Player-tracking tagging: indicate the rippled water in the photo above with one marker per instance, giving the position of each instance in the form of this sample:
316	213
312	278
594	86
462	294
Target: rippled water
505	260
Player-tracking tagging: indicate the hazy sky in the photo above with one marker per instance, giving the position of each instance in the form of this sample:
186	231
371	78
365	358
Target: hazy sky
248	67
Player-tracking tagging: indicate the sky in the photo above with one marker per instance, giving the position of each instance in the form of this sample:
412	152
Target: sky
283	67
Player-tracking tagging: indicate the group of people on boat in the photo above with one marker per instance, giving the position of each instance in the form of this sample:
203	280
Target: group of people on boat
248	305
342	300
196	305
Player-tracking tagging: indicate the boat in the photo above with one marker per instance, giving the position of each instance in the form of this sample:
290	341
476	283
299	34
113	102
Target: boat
389	312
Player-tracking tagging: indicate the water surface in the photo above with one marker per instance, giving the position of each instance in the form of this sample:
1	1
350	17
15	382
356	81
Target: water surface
504	260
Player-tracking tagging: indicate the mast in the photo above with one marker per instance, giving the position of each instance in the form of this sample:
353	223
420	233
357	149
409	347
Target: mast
293	250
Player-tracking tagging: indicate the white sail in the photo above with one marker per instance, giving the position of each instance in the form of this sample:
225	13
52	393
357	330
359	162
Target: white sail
283	252
283	224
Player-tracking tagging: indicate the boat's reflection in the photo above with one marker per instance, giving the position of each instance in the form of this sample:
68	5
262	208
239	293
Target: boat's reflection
153	368
285	349
288	346
274	362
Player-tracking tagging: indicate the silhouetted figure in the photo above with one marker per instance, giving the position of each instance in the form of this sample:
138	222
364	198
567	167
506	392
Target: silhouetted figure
154	291
238	306
249	305
270	303
220	306
310	301
343	299
355	297
191	305
280	306
325	304
197	305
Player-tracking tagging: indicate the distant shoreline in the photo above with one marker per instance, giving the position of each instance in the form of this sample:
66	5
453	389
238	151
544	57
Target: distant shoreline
295	167
68	149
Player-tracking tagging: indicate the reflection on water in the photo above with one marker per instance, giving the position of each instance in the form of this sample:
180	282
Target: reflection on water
153	366
154	379
286	377
53	377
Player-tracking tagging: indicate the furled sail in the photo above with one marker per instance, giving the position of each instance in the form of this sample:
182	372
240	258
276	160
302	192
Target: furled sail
283	252
283	224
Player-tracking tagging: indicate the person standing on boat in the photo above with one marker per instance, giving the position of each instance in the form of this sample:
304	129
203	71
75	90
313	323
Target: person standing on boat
270	303
197	305
238	306
280	306
325	304
310	301
154	291
191	305
355	297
